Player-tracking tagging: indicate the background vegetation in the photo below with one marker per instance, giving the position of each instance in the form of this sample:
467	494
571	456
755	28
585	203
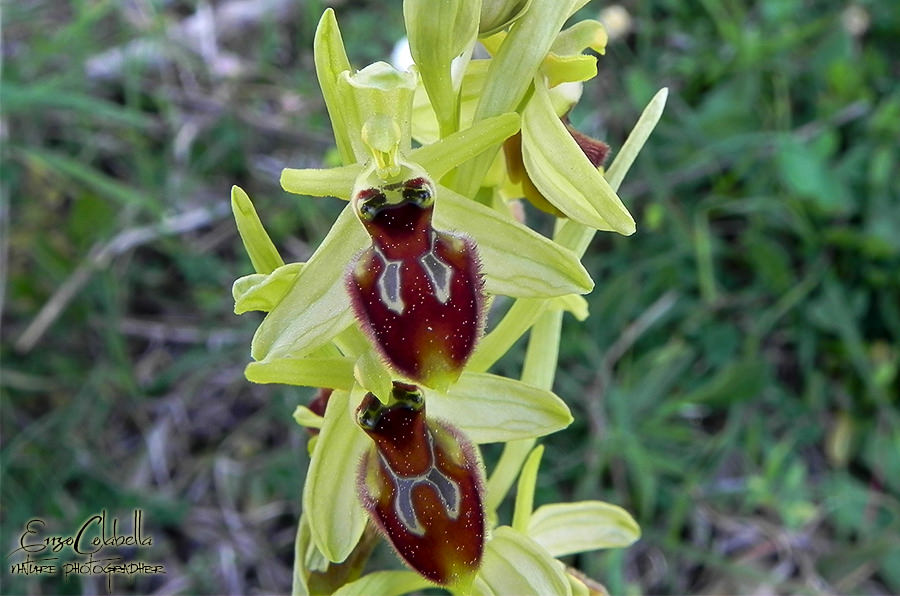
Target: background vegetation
736	386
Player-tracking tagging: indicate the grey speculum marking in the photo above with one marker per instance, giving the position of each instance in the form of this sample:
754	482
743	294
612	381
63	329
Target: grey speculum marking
389	285
439	273
445	488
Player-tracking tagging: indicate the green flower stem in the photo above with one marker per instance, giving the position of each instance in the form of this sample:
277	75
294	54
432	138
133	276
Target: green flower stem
504	474
520	316
539	371
525	490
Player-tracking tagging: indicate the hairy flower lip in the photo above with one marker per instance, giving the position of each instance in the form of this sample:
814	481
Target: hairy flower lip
422	484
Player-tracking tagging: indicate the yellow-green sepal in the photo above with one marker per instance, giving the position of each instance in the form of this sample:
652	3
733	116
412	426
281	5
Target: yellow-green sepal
336	517
262	252
563	174
331	60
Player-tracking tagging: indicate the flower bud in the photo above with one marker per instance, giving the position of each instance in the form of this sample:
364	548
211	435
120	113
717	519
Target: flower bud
497	15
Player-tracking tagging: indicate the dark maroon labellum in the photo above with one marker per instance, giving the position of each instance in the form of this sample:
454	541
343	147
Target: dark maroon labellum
417	291
422	484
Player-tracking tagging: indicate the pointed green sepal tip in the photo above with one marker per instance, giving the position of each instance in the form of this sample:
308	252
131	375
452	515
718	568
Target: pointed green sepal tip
262	252
331	60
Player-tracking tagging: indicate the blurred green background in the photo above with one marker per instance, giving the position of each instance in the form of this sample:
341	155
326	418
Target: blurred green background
736	386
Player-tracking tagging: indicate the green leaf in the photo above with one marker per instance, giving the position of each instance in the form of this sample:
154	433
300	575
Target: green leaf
82	173
260	291
385	583
516	260
317	307
562	172
439	33
733	383
336	373
318	182
336	517
331	60
489	408
566	528
516	564
444	155
525	490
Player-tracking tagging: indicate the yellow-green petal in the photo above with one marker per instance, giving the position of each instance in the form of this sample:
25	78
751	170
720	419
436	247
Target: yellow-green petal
572	234
568	69
382	91
517	320
511	72
307	418
336	517
425	125
333	372
563	174
373	376
567	528
261	291
497	15
317	182
441	157
574	304
262	252
579	37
